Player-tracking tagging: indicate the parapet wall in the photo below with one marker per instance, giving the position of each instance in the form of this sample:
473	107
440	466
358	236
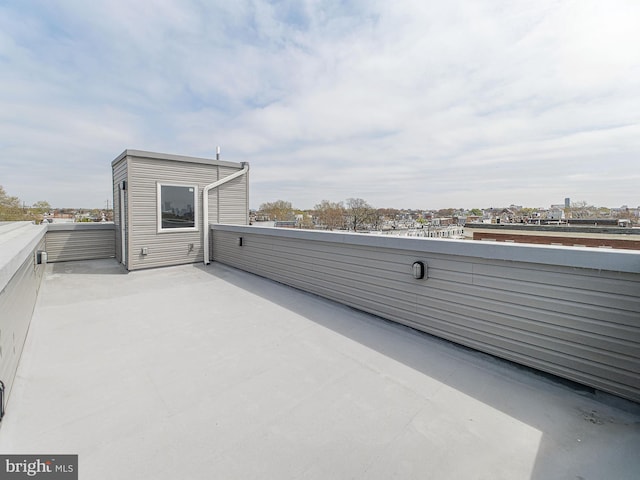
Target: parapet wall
20	275
80	241
570	311
21	270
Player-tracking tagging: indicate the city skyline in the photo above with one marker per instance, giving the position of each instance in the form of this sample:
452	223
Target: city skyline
464	104
107	206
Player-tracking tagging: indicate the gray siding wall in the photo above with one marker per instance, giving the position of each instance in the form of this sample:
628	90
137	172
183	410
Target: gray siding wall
119	175
233	199
80	241
173	248
563	310
17	301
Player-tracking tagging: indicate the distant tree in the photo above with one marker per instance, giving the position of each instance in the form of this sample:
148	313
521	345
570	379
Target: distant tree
278	210
376	220
623	213
604	212
360	214
330	214
11	208
581	209
389	213
446	212
41	207
527	211
305	219
475	211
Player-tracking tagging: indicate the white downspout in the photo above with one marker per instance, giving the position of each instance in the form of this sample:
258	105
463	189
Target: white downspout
205	206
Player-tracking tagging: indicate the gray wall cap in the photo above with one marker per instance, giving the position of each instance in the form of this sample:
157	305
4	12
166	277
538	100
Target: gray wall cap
579	257
18	240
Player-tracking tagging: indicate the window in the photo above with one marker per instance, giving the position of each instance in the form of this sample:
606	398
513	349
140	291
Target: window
177	208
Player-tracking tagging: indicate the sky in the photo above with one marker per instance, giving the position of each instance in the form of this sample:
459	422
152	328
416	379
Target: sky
407	104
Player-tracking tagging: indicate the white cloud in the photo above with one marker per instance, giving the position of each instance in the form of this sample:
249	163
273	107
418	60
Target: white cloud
414	104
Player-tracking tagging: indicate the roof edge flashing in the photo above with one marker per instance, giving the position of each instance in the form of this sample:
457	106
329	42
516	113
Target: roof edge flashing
132	153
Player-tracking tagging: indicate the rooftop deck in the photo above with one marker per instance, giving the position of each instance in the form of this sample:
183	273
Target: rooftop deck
194	372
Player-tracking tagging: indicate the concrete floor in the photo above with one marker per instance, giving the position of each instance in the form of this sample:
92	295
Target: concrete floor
200	373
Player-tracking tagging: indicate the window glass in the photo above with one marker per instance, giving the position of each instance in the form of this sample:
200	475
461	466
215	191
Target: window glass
177	206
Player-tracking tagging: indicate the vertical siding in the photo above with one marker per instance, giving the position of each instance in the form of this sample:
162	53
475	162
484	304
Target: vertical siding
576	322
173	248
80	242
17	301
119	175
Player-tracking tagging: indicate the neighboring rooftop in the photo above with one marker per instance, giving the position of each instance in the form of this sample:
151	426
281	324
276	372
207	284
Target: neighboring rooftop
209	372
568	235
530	227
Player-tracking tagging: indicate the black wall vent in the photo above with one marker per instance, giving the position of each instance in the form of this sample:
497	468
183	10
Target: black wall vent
1	399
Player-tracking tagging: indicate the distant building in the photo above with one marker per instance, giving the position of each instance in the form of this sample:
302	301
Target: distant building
286	224
555	213
611	236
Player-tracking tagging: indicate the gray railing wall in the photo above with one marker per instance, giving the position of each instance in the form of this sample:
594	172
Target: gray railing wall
573	312
20	276
80	241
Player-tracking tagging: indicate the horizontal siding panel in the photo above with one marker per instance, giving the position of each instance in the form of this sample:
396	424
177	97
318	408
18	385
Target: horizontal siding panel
373	303
355	286
389	272
514	354
538	285
534	335
393	294
368	254
588	313
68	245
554	318
17	301
548	318
620	283
355	298
507	347
351	258
233	201
173	248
